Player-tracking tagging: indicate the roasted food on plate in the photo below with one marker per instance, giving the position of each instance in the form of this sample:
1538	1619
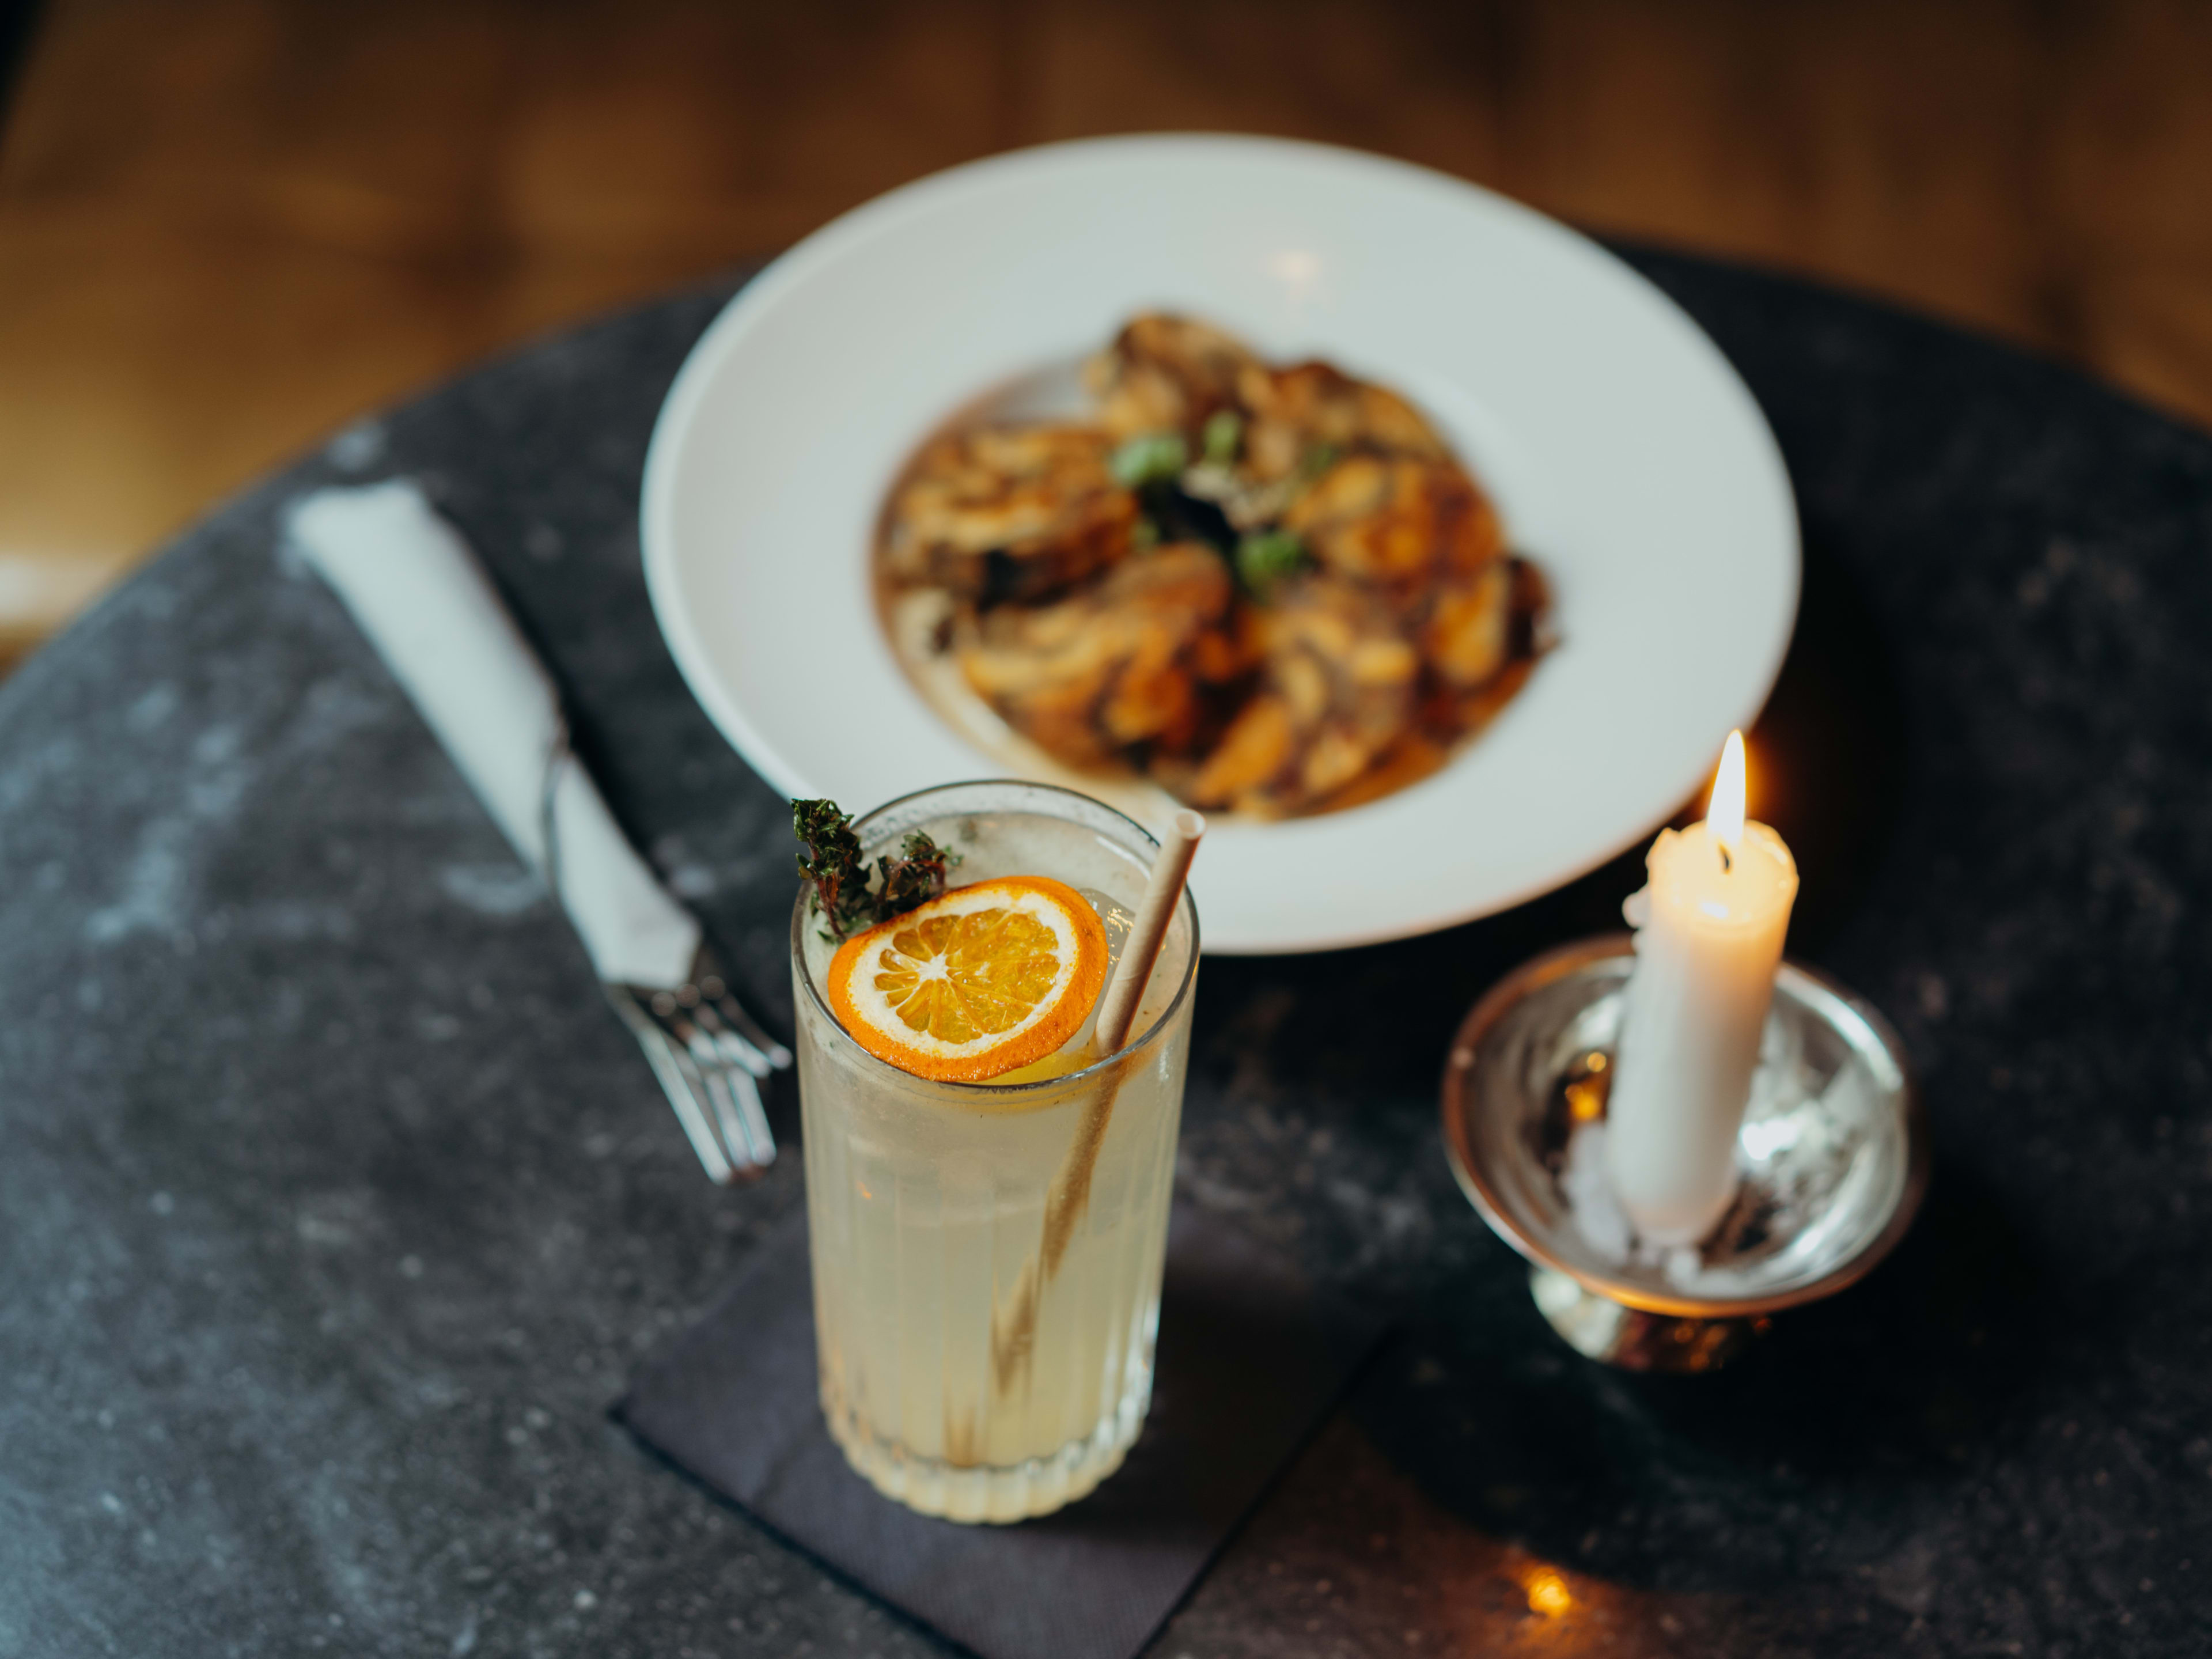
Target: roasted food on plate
1123	668
1267	589
1401	525
1337	689
1166	373
1010	513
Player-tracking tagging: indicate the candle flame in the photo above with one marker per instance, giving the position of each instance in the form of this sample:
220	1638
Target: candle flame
1548	1593
1724	811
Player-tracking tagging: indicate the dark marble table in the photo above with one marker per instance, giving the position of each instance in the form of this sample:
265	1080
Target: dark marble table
334	1209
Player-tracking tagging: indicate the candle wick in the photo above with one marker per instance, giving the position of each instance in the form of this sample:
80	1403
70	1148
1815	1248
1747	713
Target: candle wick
1727	863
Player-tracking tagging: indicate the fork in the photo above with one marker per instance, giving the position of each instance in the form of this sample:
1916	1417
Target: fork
709	1054
419	594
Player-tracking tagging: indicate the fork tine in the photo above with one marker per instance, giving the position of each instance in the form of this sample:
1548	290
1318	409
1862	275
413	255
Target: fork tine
719	1075
707	1052
660	1054
755	1115
717	994
776	1055
669	1068
741	1063
731	1044
707	1099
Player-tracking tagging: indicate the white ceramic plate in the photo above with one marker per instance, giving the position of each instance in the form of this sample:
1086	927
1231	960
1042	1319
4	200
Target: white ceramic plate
1624	454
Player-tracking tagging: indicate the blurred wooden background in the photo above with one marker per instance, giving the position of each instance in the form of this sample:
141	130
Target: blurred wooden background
226	226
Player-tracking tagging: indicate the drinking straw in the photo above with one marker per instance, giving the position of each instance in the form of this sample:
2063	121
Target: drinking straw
1117	1004
1070	1192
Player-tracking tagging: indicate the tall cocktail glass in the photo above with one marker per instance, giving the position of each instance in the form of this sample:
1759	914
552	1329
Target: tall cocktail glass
987	1256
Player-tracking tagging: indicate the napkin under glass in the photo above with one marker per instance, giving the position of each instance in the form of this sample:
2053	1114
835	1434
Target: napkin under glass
1251	1357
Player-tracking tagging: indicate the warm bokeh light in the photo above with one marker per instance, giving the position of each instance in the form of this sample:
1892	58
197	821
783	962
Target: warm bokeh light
1548	1593
1724	813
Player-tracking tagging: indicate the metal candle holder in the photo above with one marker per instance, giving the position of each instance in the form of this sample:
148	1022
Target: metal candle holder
1833	1155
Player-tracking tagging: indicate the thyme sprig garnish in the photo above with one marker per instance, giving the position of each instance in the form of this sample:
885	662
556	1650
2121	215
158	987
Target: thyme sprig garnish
832	861
914	877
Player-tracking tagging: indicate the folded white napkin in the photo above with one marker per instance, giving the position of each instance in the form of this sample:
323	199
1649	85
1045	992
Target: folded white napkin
425	604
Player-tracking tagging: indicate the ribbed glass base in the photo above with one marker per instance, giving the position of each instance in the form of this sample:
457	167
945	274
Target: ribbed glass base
974	1492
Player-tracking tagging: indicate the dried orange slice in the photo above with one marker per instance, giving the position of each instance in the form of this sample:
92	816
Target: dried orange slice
980	981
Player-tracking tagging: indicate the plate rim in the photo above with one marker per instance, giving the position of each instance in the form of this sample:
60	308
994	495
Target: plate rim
918	197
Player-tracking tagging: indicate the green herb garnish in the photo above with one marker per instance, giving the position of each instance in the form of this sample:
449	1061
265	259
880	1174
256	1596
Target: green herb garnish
1148	458
1266	556
1144	536
1224	430
833	863
1316	460
914	877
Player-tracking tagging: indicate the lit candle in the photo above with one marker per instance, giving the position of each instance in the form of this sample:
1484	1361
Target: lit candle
1709	938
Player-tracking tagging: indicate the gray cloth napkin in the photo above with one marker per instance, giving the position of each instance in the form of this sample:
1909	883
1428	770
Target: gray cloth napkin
1250	1359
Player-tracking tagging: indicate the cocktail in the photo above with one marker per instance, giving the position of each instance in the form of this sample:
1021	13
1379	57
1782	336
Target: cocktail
988	1193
